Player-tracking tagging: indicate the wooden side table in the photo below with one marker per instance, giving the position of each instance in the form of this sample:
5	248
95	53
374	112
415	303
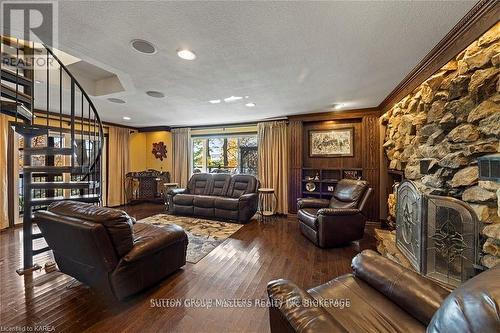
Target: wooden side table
267	203
166	188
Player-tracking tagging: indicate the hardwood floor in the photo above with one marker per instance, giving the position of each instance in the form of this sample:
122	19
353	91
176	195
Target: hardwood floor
239	268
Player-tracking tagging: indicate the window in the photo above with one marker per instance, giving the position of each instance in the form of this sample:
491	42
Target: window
236	154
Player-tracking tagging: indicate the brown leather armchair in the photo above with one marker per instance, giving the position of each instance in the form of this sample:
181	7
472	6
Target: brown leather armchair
106	249
338	221
382	296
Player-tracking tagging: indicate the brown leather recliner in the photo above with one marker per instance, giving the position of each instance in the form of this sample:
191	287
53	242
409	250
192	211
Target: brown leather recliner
219	196
382	296
105	249
338	221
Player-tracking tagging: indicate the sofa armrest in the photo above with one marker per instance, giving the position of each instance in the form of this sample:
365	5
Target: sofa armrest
417	295
175	191
338	211
150	244
247	206
312	203
292	309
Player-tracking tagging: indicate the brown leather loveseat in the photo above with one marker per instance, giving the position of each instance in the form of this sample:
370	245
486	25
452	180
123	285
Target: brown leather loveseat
219	196
105	249
338	221
382	296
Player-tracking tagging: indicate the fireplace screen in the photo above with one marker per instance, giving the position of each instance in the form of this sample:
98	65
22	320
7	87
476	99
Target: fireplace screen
451	240
438	235
409	225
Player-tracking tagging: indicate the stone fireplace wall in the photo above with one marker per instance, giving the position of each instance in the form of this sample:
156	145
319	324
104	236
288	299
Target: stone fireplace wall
436	133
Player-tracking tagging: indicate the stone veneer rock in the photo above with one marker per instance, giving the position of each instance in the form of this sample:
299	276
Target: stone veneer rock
436	133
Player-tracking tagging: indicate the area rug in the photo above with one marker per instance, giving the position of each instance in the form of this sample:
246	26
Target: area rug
203	235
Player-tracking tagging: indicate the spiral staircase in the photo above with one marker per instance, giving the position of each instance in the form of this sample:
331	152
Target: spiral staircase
62	137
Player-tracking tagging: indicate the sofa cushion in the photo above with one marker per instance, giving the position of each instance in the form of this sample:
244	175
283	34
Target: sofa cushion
472	307
204	212
309	216
204	201
226	203
370	311
226	214
220	184
117	223
242	184
184	199
199	183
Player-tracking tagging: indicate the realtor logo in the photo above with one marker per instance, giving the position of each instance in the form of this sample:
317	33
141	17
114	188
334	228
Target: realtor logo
34	21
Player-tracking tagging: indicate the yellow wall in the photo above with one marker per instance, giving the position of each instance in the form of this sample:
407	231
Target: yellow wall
141	156
137	152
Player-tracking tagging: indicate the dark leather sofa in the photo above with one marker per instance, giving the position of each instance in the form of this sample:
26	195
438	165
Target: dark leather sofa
338	221
386	297
105	249
218	196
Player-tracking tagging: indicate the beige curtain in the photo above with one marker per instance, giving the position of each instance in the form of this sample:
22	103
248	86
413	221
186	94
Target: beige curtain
181	139
273	160
4	196
118	165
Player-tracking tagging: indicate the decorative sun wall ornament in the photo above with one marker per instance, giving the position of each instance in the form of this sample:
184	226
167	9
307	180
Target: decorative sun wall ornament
160	150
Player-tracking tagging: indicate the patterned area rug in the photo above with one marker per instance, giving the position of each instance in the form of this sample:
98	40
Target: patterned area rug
203	235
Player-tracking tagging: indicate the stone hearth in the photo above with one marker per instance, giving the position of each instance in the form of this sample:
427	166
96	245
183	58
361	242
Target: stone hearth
436	133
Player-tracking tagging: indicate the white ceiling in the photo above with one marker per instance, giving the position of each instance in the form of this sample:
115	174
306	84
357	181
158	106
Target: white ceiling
289	57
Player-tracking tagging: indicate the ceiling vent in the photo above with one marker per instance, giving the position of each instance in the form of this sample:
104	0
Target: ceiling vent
155	94
143	46
116	100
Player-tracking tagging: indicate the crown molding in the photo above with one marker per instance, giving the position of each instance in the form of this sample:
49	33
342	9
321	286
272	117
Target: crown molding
475	23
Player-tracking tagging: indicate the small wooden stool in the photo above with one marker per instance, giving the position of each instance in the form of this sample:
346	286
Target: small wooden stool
267	203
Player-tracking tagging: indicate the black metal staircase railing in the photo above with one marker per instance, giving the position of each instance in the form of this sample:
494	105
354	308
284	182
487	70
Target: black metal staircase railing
78	151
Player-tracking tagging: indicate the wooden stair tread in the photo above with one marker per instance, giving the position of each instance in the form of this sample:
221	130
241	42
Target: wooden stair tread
65	185
13	77
48	151
14	42
15	61
10	92
89	198
55	169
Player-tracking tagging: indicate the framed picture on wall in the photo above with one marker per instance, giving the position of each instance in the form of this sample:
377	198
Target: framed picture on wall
331	143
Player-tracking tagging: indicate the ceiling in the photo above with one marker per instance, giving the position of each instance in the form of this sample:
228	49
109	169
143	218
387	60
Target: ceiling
288	57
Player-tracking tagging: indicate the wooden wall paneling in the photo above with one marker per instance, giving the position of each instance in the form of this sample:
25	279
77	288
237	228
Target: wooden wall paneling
371	162
295	136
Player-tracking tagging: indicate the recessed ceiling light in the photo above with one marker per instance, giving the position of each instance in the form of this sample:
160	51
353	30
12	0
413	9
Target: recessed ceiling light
186	54
126	118
143	46
38	81
214	101
116	100
337	105
155	94
250	105
232	99
247	96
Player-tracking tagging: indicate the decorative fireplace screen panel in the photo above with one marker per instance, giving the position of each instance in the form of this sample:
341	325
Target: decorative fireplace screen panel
451	249
438	235
409	223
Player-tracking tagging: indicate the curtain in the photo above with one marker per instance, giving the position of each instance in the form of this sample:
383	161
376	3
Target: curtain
181	138
273	160
4	178
118	165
